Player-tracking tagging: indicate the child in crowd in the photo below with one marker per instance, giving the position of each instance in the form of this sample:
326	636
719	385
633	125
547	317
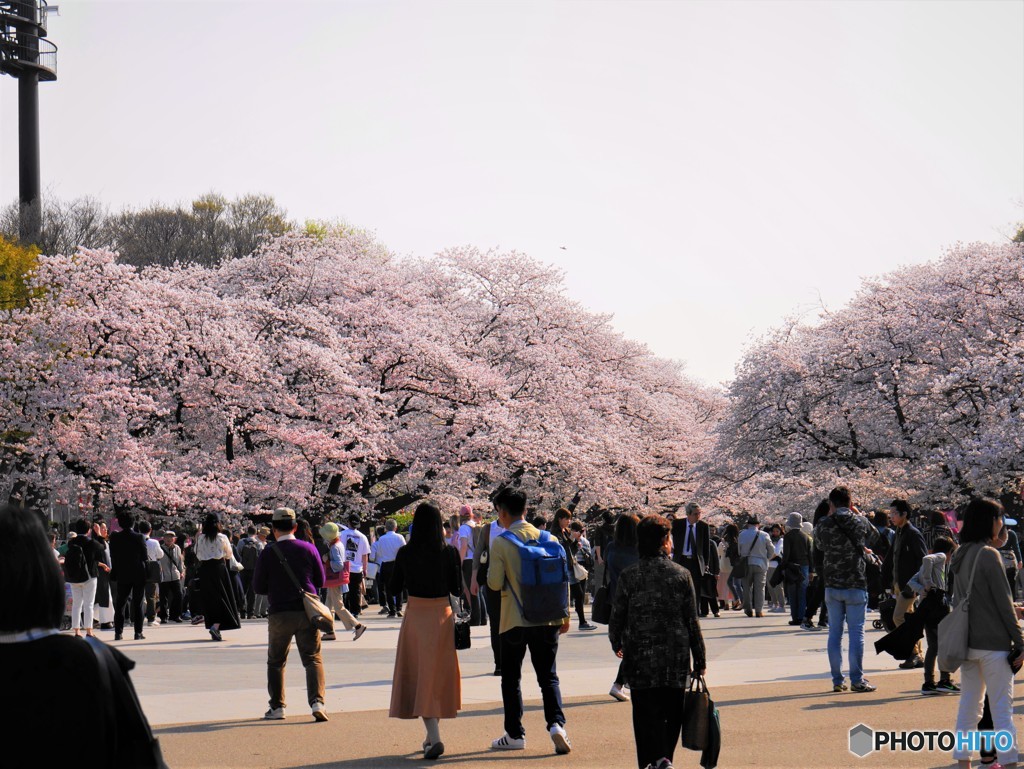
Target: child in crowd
930	583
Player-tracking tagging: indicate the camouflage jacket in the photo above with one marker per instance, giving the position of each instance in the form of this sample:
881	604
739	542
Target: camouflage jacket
843	558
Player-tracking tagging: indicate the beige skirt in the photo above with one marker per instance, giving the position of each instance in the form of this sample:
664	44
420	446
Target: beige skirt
427	682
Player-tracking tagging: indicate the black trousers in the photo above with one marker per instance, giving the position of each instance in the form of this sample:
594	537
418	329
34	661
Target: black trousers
657	720
704	605
170	600
576	596
816	599
392	601
353	598
473	601
492	598
249	605
543	645
132	594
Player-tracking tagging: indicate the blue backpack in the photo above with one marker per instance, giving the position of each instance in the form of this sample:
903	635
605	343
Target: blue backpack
544	577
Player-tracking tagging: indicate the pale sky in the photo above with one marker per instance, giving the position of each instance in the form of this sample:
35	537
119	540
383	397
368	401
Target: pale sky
710	168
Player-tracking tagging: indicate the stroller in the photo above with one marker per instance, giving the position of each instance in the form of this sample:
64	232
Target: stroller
886	606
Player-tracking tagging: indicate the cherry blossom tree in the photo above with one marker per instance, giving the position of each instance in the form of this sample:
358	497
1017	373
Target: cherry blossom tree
913	388
324	373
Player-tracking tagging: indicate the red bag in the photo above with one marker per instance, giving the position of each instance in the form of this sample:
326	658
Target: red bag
336	578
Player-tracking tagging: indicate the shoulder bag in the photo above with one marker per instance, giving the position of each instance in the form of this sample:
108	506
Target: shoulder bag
319	615
740	569
955	627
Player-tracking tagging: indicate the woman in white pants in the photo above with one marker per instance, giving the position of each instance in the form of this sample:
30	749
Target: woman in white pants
994	637
81	562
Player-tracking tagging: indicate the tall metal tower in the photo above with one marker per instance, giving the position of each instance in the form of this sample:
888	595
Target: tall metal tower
27	55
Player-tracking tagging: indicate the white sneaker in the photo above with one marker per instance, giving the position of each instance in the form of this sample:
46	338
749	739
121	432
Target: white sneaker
561	739
274	714
504	742
618	693
357	633
319	711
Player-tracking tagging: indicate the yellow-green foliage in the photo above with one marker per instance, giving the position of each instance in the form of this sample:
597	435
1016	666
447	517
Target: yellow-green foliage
16	266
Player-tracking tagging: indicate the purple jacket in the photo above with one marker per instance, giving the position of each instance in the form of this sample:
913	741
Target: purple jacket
271	579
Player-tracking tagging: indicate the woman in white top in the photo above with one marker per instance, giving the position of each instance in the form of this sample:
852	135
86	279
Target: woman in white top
217	594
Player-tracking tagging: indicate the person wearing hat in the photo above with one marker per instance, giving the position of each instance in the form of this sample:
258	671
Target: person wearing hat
336	582
756	546
796	566
357	553
287	616
172	569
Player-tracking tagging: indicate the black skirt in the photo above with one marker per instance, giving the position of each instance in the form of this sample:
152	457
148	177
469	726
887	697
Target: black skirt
218	595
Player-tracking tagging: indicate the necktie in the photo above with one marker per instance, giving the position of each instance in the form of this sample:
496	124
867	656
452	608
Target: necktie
688	549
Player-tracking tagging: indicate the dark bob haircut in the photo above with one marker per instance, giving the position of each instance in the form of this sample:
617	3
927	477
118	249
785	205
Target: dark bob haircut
651	534
980	516
33	586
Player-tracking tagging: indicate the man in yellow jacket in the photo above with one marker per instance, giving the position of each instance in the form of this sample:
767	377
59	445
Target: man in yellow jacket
517	634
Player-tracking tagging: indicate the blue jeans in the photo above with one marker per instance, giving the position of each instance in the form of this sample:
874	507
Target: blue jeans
849	604
798	595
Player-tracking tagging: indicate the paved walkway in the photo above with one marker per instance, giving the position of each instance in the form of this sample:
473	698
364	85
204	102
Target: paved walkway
770	682
781	725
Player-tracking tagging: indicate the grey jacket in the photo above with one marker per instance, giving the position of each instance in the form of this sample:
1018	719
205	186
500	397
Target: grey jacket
171	567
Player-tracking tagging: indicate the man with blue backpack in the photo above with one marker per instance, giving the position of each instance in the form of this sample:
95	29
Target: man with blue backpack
530	569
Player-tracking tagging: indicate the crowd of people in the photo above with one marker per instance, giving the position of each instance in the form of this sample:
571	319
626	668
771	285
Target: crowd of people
662	576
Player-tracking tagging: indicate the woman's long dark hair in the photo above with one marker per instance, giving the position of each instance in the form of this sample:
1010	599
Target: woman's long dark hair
625	531
304	531
33	586
427	531
821	511
211	526
732	533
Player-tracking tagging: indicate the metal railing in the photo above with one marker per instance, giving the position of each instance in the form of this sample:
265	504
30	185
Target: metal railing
29	49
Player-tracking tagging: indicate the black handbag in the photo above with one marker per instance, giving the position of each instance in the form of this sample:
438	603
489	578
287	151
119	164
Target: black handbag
696	712
137	748
463	638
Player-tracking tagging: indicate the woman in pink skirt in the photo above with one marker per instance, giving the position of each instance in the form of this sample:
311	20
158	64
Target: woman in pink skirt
427	681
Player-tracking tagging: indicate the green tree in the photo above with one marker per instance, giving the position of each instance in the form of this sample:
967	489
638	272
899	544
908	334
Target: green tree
16	266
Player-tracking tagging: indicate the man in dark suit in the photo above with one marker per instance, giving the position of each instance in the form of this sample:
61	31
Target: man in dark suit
691	543
128	557
901	563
